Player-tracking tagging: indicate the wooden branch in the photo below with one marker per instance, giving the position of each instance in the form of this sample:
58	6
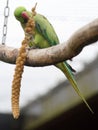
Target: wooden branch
52	55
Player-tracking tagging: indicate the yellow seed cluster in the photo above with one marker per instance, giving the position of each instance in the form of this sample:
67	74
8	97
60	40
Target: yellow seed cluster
17	79
30	27
16	83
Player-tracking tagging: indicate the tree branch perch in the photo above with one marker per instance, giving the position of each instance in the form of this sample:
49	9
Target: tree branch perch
55	54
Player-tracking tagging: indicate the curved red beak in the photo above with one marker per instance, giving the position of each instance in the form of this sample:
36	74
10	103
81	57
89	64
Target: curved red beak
25	15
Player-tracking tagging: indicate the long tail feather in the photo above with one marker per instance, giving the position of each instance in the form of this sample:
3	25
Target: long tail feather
63	66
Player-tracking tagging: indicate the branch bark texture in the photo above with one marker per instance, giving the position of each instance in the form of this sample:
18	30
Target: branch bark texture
55	54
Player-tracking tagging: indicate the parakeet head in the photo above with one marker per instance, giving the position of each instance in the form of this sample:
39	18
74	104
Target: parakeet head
21	14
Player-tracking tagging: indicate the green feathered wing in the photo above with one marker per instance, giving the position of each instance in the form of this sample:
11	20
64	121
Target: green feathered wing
45	29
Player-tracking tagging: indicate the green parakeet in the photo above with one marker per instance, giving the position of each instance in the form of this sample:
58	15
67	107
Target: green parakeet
44	37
